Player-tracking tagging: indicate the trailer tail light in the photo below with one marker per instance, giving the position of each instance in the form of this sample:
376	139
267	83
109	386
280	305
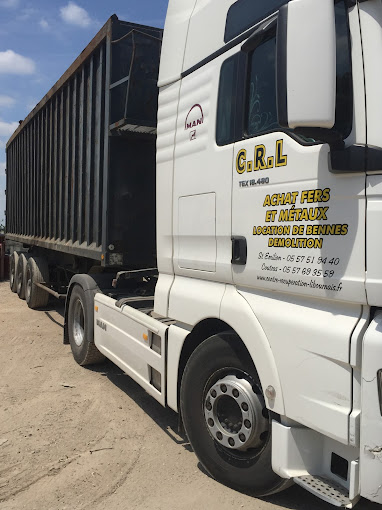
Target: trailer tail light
379	381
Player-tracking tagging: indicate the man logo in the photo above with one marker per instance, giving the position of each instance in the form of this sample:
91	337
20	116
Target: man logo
195	117
101	324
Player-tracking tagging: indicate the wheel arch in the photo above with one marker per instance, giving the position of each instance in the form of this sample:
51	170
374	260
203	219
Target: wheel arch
204	330
200	332
239	319
88	282
236	311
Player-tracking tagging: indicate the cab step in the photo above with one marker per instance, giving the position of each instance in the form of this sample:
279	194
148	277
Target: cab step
327	490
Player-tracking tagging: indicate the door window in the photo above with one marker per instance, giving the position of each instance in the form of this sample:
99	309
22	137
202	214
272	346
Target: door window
260	105
261	109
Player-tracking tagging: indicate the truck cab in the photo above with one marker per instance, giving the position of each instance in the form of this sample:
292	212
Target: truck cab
264	332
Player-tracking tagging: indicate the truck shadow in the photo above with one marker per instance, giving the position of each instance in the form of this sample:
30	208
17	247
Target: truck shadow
295	498
55	311
165	418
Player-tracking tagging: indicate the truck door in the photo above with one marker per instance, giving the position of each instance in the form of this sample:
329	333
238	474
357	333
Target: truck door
202	181
297	227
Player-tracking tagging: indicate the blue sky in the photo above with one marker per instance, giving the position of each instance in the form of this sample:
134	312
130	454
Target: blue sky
39	39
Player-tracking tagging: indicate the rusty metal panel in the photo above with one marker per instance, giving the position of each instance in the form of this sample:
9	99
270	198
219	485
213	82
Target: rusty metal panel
66	190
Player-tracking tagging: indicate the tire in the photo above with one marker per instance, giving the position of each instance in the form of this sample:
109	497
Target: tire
21	275
81	327
13	270
37	272
221	363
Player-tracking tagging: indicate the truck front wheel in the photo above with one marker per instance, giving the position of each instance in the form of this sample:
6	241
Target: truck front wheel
225	416
81	327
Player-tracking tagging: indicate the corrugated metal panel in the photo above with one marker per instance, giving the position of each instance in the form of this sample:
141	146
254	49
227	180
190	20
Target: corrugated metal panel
59	166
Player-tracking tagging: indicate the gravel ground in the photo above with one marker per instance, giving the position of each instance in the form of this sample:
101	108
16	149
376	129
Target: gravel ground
74	438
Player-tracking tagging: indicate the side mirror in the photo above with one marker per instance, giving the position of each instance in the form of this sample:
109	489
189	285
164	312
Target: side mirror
306	64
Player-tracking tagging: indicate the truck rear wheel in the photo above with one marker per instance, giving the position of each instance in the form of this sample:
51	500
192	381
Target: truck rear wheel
13	270
225	416
37	272
81	327
21	275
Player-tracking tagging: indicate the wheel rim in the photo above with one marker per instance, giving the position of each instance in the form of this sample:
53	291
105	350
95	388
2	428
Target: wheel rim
28	288
78	323
19	280
13	272
235	415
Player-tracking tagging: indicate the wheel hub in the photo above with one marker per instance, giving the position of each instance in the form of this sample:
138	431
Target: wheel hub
13	272
234	414
19	280
78	323
28	289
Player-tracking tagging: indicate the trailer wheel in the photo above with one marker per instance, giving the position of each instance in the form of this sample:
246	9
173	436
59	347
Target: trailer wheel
13	270
225	416
81	327
37	272
21	275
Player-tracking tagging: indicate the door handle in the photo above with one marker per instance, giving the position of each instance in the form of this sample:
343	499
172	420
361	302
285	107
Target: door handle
239	251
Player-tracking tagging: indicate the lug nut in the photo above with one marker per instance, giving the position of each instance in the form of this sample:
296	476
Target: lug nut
219	435
208	406
242	438
247	423
223	387
210	422
213	393
235	393
231	441
244	406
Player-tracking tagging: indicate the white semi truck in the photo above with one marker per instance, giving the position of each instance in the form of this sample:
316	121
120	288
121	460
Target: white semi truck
263	327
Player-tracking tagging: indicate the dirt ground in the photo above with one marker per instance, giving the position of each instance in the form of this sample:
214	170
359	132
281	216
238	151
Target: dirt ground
73	438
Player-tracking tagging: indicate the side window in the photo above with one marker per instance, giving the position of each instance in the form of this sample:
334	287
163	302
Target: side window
261	107
226	110
243	15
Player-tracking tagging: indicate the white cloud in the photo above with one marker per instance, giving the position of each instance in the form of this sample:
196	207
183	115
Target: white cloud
7	128
44	24
13	63
11	4
75	15
6	101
